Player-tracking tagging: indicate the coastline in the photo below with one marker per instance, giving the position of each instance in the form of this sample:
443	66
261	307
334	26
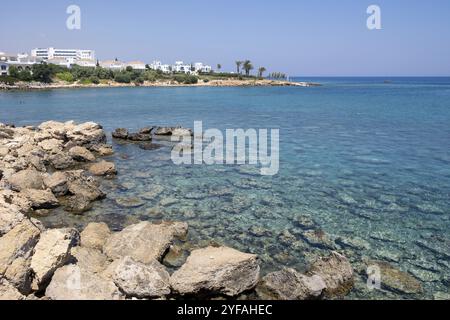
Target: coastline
158	84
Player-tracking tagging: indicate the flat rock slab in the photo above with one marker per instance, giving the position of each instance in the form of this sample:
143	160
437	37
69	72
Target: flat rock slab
214	270
144	241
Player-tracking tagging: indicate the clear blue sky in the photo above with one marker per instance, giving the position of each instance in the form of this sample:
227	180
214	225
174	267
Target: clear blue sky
299	37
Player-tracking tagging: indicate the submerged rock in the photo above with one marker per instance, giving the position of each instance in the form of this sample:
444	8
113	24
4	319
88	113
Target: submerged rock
103	168
135	279
395	280
219	270
77	204
288	284
129	202
120	133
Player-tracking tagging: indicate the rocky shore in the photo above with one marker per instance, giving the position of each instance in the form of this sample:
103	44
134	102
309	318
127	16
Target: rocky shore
59	165
113	84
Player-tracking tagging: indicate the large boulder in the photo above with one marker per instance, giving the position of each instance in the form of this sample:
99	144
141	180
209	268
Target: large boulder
87	135
144	242
51	145
81	154
10	216
288	284
51	252
61	161
95	235
89	259
74	283
214	270
139	137
26	179
120	133
337	273
77	204
103	168
41	199
81	184
140	280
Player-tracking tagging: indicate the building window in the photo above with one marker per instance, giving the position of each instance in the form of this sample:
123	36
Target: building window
3	67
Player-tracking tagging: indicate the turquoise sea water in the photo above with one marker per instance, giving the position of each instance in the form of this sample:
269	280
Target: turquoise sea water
367	159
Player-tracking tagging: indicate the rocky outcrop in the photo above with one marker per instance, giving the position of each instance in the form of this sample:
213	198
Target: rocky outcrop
57	183
81	154
26	179
288	284
219	270
41	199
140	280
144	242
120	133
9	292
51	252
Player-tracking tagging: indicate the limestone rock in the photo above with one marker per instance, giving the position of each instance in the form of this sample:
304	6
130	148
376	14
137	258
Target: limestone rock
89	259
81	184
144	241
219	270
140	280
73	283
87	135
41	199
8	292
288	284
120	133
103	168
57	183
61	161
77	204
95	235
51	252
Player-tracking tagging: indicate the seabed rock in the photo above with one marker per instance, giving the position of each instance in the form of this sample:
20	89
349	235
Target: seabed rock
103	168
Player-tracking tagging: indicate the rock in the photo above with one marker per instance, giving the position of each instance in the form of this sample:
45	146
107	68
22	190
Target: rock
8	292
26	179
41	199
305	222
89	259
103	168
57	183
51	145
81	184
103	150
81	154
19	274
95	235
164	131
153	192
395	280
140	280
139	137
144	241
77	204
181	132
87	135
147	130
337	273
61	161
317	238
219	270
129	202
51	252
73	283
175	257
10	216
289	284
120	133
17	243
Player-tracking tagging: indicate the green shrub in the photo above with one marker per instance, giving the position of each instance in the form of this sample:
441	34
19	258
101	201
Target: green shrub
205	80
65	76
85	81
123	77
94	80
25	75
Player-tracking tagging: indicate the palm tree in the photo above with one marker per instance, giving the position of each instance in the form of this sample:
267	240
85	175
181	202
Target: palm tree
247	67
219	66
238	66
261	72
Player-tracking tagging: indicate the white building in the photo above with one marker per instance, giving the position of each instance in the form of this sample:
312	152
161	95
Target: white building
86	63
181	67
136	65
157	65
21	61
51	53
113	65
201	68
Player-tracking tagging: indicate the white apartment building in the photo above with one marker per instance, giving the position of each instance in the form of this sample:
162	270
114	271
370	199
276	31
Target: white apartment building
70	54
22	61
86	63
181	67
201	68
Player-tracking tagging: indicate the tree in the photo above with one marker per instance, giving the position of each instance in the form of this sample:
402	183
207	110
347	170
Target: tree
247	67
238	66
42	73
261	72
219	66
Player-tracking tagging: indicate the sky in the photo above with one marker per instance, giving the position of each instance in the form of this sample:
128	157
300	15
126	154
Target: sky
297	37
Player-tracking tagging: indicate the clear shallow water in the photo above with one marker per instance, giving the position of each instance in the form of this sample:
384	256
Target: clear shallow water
369	161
